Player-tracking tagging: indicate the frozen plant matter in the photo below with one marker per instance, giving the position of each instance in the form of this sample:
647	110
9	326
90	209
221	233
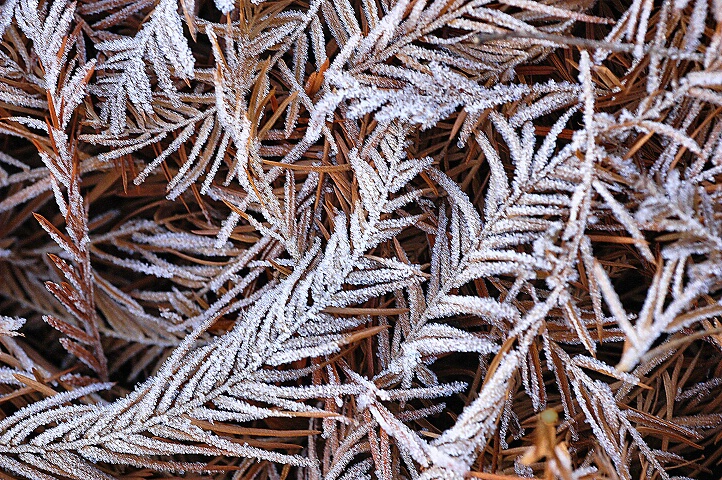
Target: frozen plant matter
361	239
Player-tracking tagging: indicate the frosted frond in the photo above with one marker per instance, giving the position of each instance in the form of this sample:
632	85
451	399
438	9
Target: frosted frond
360	239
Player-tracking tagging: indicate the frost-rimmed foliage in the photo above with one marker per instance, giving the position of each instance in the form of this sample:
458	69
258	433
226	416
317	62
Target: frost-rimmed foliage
359	239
